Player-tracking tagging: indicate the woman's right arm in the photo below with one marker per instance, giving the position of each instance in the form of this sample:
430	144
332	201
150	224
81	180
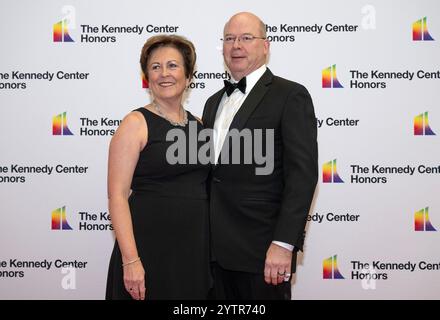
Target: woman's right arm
125	146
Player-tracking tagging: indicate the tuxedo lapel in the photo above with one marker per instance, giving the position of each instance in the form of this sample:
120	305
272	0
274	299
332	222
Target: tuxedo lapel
213	108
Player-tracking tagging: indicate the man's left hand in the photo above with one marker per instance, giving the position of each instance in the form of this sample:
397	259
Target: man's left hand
278	265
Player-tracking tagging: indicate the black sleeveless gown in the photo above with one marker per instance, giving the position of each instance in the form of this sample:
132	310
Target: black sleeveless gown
169	210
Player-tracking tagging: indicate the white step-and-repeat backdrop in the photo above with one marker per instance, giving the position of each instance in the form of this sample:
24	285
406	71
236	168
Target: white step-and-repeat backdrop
69	72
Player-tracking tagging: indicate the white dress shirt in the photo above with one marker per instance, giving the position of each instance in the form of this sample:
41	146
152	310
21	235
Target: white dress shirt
229	106
226	111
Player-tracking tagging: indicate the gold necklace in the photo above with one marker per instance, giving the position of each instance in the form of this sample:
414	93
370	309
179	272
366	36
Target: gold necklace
182	123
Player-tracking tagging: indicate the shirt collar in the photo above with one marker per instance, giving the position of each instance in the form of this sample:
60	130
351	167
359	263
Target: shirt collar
253	77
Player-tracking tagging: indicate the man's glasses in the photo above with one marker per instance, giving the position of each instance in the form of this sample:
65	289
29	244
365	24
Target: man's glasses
245	38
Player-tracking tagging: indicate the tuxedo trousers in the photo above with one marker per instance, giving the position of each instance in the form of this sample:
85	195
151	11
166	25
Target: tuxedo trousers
238	285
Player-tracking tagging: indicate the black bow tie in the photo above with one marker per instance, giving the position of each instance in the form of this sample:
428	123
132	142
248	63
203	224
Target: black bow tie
230	87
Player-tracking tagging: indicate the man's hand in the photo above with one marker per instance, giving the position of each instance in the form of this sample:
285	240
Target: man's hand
278	265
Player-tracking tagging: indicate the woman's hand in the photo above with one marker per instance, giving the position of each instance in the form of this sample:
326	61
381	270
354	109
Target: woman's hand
134	280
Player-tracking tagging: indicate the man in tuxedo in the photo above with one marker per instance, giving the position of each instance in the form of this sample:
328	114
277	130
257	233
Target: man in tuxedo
258	220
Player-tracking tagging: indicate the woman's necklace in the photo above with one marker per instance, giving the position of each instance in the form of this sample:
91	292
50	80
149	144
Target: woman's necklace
182	123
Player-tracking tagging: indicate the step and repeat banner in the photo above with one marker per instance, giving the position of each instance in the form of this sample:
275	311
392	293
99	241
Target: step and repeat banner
69	73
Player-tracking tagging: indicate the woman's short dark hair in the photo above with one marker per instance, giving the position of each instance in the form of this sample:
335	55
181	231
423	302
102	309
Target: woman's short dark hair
181	44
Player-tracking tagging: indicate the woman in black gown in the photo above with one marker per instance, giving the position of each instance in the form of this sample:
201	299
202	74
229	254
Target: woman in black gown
161	248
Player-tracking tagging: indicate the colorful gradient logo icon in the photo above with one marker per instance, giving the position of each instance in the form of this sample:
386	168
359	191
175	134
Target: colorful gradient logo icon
59	221
330	268
420	31
421	125
421	221
329	79
59	125
61	33
61	28
330	174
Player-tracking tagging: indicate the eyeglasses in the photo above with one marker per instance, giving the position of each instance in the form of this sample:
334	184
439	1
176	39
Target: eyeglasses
244	38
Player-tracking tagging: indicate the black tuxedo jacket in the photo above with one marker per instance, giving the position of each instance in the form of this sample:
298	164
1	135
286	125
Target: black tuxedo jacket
249	211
